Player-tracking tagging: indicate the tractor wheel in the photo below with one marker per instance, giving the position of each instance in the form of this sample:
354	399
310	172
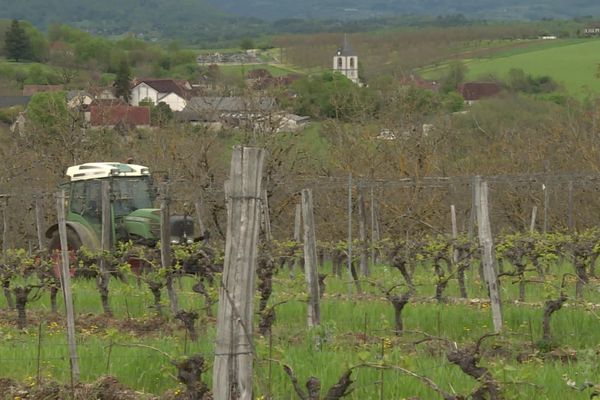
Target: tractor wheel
73	244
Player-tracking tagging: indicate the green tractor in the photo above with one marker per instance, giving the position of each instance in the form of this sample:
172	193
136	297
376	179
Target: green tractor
133	215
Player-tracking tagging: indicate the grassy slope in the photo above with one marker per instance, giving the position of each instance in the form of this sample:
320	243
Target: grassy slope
572	63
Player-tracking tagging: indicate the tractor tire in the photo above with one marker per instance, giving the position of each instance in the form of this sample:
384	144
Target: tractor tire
73	241
54	247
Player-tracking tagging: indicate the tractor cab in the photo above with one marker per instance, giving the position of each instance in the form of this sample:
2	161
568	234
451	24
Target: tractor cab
132	197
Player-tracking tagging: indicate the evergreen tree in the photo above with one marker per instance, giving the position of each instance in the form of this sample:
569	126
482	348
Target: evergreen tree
17	42
123	81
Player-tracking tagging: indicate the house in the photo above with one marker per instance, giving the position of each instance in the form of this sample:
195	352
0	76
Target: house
78	99
13	101
30	90
119	115
418	82
474	91
592	30
104	93
174	93
292	122
217	112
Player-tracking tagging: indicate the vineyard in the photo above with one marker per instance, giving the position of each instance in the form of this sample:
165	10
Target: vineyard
417	325
256	314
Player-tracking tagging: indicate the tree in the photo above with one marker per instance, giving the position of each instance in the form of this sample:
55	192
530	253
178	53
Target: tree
161	114
123	81
454	77
247	44
16	42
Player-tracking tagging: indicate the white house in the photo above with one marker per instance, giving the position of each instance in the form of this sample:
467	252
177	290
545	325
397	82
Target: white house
173	93
78	99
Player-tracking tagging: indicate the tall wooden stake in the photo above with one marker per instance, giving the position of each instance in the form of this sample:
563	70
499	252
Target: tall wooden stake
362	232
533	217
7	293
4	225
266	215
232	371
373	240
297	230
66	285
165	245
473	214
570	221
106	244
198	207
310	259
487	244
39	221
546	206
350	277
454	231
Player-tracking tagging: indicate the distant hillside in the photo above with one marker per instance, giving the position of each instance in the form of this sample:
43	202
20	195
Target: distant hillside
354	9
212	23
152	18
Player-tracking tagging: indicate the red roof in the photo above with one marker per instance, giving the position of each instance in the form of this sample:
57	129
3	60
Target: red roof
119	114
478	90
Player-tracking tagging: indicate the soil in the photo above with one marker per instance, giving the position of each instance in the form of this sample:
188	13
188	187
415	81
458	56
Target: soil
97	323
105	388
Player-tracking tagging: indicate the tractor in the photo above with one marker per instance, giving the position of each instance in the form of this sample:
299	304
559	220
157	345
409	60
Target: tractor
133	216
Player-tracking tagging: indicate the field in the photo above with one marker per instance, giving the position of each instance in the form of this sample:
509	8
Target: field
572	62
136	345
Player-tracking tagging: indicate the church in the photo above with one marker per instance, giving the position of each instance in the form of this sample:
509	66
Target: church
345	61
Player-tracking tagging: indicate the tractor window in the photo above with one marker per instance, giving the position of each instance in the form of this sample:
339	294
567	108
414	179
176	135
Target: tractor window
86	200
131	194
77	197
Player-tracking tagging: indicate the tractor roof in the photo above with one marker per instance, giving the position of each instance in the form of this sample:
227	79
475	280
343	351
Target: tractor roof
104	170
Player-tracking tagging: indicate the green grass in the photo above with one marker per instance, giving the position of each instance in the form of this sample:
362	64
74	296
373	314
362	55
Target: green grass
572	63
351	333
242	70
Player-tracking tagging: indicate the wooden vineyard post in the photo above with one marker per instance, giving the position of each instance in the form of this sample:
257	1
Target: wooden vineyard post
39	221
106	244
533	217
487	245
473	215
266	215
350	276
9	299
570	219
362	232
454	231
165	245
546	206
65	277
374	238
232	371
310	259
198	207
297	230
4	225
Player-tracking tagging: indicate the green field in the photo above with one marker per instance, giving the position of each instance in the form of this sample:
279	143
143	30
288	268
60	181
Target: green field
572	63
353	332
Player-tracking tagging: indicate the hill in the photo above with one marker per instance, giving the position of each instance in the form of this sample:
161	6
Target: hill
211	23
572	63
355	9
